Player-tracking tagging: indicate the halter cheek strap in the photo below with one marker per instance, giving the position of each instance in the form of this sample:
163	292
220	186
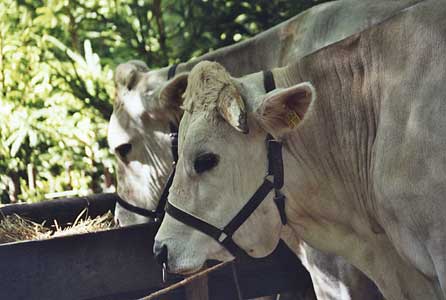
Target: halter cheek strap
269	84
160	209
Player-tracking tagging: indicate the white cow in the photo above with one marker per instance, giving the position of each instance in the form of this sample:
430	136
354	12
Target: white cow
362	124
139	126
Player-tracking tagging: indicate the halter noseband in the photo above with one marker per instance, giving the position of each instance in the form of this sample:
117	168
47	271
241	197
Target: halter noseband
272	180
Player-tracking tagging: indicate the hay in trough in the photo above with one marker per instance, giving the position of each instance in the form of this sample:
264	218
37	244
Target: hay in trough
14	228
85	224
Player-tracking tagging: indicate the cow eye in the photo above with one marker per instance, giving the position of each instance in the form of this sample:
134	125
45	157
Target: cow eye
205	162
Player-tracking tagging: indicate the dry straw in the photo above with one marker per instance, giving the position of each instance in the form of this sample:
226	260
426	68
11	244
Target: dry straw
14	228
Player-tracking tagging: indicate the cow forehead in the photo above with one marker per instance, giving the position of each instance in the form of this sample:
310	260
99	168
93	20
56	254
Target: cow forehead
142	97
191	126
206	81
142	82
200	129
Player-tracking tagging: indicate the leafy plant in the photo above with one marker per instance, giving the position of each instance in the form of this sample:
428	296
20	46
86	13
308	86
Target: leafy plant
56	79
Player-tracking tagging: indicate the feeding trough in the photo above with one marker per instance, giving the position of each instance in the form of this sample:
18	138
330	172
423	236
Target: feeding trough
118	263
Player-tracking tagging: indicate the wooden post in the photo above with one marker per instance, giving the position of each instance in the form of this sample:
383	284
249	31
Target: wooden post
198	289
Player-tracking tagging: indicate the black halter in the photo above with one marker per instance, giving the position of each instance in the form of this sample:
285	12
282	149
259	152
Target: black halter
158	213
272	180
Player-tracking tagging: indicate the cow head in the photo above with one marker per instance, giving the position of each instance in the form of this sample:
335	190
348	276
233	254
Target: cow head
222	162
146	102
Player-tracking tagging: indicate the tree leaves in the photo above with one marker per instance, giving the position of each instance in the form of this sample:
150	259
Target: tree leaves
56	79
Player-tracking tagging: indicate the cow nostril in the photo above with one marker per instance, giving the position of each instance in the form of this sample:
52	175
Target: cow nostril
161	253
124	149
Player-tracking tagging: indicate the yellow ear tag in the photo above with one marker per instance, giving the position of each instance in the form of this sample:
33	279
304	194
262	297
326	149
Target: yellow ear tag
293	119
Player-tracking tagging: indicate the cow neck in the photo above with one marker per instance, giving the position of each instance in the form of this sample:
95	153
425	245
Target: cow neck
287	76
158	213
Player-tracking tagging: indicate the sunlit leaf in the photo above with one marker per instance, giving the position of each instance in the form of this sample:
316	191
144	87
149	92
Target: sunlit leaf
32	138
18	141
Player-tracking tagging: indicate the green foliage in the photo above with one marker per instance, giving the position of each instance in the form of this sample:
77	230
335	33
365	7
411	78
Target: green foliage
56	81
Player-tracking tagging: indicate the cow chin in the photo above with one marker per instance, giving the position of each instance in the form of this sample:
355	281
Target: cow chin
185	264
188	250
192	260
186	258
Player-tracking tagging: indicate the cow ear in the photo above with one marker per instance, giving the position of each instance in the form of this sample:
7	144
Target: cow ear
171	96
127	74
232	108
282	110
